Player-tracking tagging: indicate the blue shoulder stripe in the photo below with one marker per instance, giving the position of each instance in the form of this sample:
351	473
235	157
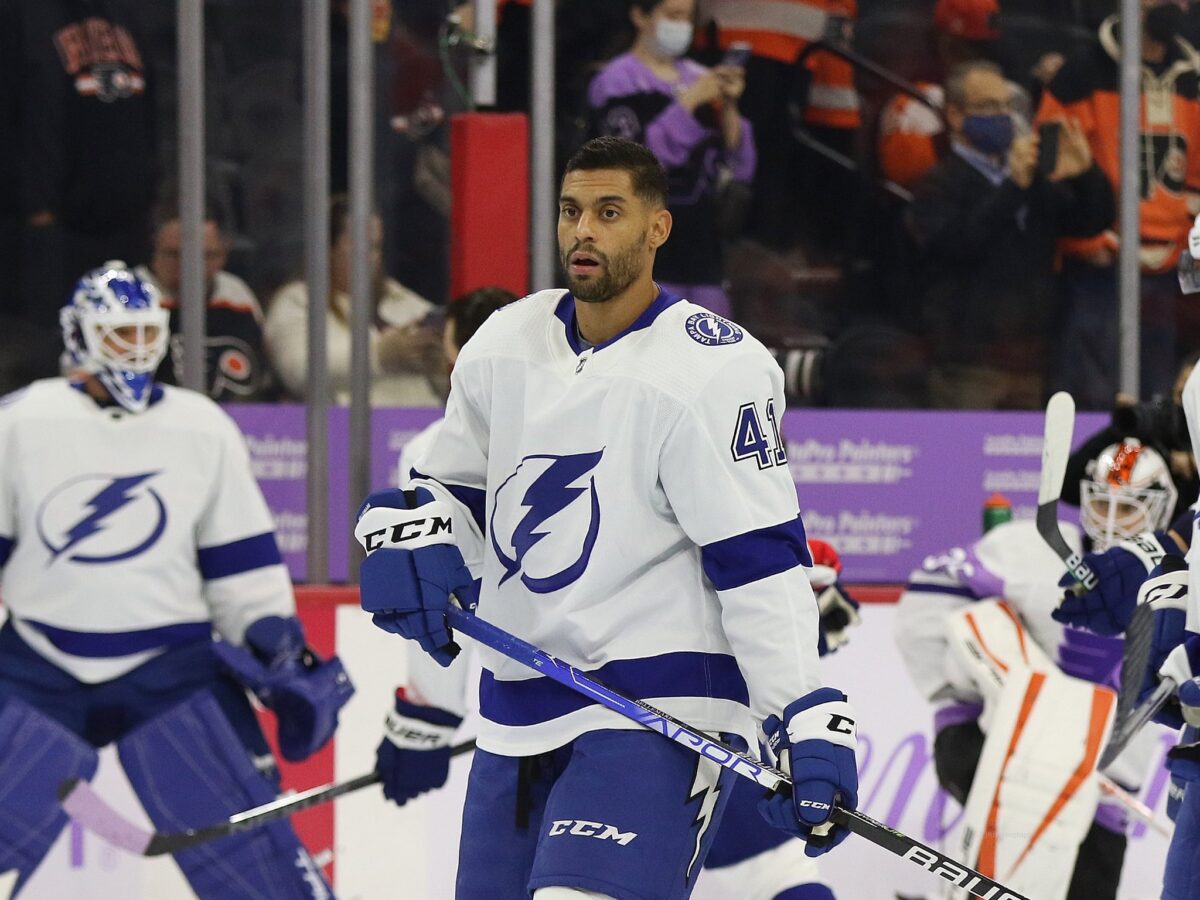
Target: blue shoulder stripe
6	549
106	644
473	499
683	674
236	557
755	555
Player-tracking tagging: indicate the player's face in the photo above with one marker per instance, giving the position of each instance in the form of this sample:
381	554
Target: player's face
604	233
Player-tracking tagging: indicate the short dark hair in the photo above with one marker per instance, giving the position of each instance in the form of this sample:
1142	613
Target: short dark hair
167	211
469	311
648	176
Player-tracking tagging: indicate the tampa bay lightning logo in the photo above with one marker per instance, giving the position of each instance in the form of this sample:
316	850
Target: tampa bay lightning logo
710	329
96	519
545	512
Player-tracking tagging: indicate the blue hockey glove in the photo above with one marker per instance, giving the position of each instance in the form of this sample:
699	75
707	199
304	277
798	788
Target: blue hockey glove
1120	569
1183	762
412	568
1182	666
1166	592
305	692
414	755
815	744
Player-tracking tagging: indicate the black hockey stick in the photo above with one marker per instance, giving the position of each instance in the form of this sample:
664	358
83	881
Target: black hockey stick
1056	450
723	754
89	809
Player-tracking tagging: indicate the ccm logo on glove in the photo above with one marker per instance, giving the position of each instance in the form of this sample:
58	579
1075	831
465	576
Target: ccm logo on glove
407	529
841	724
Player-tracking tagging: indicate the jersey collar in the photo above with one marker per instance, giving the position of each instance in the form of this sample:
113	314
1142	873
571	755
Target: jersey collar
566	314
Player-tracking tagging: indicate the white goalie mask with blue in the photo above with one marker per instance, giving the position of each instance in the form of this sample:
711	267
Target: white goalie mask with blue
115	328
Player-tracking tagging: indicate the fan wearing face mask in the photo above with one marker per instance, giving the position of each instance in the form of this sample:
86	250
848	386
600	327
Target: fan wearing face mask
985	220
688	116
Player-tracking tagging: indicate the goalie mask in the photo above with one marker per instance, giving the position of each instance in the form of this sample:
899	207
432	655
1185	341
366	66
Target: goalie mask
1128	490
114	328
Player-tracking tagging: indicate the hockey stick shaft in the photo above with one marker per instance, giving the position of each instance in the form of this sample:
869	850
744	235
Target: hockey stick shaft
722	754
1056	451
1134	805
87	808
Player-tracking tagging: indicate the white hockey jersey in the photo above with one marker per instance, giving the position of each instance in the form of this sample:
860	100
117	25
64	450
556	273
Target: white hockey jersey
122	535
629	510
1191	411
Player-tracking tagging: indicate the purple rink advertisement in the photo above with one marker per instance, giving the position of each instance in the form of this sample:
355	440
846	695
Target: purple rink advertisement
886	488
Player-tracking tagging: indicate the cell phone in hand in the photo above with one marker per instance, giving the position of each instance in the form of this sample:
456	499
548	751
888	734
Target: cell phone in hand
737	55
1048	135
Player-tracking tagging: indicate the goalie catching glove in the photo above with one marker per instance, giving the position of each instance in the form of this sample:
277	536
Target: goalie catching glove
814	743
838	610
414	755
305	692
412	568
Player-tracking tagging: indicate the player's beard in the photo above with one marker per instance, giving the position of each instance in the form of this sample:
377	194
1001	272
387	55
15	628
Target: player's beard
620	271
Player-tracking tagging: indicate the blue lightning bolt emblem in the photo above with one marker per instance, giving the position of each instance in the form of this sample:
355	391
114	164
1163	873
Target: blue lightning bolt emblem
117	493
549	494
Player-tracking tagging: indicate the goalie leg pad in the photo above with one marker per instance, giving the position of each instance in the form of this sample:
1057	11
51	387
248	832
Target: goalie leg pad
189	770
36	755
1035	791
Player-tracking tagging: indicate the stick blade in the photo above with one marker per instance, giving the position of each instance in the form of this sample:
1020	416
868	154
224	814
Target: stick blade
1124	730
1056	445
85	806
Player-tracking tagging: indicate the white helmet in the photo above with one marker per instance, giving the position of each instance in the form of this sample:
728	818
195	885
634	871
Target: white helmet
1128	490
115	328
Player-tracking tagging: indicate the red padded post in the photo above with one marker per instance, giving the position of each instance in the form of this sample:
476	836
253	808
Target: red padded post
489	207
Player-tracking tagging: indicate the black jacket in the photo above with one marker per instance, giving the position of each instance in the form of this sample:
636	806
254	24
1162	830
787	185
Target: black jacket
987	259
81	110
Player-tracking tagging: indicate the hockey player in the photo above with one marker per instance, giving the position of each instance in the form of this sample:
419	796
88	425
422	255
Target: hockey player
984	665
131	530
611	468
1176	654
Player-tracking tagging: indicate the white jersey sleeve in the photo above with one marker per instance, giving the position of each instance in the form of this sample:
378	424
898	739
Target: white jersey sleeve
724	471
1191	411
454	464
243	572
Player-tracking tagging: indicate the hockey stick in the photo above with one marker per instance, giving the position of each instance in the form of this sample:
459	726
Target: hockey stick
1134	805
1130	717
1056	450
723	754
81	802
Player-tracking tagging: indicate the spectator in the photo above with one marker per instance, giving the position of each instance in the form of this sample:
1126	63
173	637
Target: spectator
798	194
1085	88
403	349
911	133
464	315
688	116
80	115
235	365
986	220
